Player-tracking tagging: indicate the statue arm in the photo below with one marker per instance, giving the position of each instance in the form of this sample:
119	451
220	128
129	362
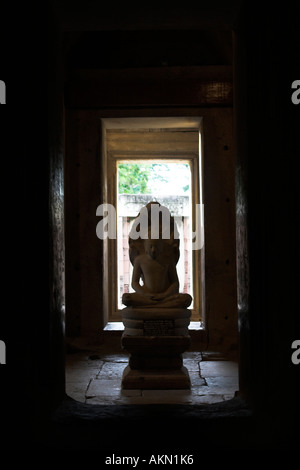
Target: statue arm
174	281
136	275
174	284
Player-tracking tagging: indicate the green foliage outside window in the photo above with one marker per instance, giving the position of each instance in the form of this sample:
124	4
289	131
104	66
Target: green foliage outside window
136	178
133	178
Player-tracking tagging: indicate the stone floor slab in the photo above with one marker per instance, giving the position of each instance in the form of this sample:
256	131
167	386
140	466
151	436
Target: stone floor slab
95	378
218	368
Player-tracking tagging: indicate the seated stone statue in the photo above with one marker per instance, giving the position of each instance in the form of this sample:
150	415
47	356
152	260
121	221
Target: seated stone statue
155	264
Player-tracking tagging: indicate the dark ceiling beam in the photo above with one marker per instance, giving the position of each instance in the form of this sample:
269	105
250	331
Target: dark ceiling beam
91	15
141	93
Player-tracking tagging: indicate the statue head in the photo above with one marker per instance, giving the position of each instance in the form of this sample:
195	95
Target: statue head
166	239
153	247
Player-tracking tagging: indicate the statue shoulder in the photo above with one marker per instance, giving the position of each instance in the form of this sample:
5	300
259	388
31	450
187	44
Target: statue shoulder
139	259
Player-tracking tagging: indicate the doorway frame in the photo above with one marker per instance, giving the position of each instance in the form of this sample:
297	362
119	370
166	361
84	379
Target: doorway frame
111	313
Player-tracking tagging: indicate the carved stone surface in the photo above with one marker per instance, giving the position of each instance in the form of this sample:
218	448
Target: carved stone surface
140	321
159	327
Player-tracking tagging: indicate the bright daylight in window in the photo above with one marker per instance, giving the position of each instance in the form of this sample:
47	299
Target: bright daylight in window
168	183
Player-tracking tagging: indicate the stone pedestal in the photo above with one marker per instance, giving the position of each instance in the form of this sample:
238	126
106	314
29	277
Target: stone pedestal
155	339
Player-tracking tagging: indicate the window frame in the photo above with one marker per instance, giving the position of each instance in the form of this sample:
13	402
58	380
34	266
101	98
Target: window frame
111	311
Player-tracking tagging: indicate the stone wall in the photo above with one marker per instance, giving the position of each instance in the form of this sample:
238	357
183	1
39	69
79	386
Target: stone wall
83	195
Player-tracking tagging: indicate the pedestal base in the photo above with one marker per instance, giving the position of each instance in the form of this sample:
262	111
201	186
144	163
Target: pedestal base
156	379
155	362
156	321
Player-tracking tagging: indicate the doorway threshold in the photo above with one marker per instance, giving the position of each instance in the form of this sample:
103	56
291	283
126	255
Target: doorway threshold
119	326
